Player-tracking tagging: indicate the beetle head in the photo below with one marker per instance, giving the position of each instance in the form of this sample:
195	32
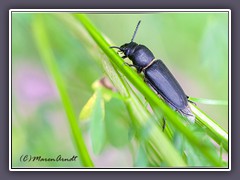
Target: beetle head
128	48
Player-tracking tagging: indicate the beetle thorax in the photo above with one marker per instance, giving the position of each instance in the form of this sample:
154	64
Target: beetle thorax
140	55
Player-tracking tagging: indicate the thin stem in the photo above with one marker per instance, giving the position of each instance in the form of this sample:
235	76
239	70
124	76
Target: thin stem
48	57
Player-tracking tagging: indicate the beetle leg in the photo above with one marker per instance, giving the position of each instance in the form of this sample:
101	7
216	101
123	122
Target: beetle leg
139	70
164	124
191	101
115	47
131	65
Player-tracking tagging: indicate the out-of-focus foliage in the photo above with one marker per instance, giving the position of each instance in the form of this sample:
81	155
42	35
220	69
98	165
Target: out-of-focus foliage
193	46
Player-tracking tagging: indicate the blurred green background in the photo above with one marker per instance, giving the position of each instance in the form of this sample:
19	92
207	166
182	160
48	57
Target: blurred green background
193	45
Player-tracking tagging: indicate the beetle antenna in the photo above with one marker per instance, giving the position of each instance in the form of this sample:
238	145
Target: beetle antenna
115	47
134	34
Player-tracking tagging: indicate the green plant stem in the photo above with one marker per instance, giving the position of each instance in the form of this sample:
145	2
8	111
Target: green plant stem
209	101
47	55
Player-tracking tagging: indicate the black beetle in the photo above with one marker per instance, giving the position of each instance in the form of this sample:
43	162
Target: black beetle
157	76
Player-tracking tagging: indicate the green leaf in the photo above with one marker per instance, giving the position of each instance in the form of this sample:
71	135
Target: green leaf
117	123
87	109
97	126
193	154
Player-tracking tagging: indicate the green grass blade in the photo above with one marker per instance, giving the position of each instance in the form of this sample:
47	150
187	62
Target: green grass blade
46	53
209	101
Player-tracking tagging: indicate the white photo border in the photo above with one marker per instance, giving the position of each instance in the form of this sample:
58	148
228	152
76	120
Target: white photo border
117	11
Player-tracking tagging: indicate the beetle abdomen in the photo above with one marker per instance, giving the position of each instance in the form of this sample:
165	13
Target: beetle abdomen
162	80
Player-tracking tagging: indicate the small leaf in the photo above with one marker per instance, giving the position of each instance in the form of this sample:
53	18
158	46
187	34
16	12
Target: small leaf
194	157
117	123
97	126
87	109
109	94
